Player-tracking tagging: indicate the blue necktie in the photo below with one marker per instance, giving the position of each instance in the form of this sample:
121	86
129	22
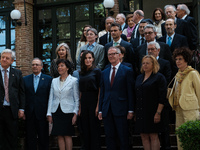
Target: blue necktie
36	82
169	42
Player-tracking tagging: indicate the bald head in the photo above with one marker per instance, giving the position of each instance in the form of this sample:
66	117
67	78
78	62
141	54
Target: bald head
138	15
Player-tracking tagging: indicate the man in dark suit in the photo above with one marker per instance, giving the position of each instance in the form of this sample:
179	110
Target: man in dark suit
107	37
12	98
116	100
120	19
174	40
165	69
117	40
141	40
138	15
37	88
182	26
150	35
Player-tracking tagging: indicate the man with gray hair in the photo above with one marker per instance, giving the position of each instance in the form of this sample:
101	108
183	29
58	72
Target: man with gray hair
37	88
120	19
12	98
150	35
182	26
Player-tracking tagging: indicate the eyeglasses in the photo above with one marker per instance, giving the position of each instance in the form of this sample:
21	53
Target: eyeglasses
112	54
36	65
145	33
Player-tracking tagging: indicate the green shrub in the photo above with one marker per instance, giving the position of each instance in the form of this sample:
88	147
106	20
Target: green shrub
189	135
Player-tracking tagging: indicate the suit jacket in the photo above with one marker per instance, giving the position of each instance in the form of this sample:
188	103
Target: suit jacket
190	95
165	68
184	28
119	97
98	55
178	41
190	20
16	91
129	56
66	96
164	53
136	42
37	102
104	39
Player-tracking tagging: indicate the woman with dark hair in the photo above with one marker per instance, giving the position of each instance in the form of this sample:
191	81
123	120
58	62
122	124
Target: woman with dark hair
89	83
150	99
83	40
63	105
62	52
185	94
128	31
158	18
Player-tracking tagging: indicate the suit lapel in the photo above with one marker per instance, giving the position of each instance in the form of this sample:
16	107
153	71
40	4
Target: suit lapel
68	80
1	80
107	76
31	82
11	76
117	74
41	81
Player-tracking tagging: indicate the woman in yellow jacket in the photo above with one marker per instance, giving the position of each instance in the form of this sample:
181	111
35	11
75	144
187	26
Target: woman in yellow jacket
185	95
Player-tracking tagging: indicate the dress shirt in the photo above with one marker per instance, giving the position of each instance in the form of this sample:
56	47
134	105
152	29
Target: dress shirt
157	57
184	17
122	26
36	79
118	42
91	47
5	103
141	40
116	68
172	37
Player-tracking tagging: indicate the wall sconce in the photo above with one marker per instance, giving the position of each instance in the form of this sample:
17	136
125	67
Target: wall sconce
108	4
15	15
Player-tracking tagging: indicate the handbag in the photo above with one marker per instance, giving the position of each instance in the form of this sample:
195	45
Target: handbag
169	89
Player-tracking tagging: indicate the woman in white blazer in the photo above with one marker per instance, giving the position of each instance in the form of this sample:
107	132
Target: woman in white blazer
63	105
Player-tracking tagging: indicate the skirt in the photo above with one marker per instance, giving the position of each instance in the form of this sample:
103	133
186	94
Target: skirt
62	123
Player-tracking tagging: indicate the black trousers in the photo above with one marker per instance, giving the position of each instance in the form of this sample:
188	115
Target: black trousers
8	129
37	134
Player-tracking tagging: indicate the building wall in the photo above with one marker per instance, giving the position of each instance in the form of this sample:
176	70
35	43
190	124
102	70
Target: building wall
150	5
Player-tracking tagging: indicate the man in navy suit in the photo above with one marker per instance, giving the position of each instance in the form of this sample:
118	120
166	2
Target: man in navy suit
117	40
116	100
37	88
182	26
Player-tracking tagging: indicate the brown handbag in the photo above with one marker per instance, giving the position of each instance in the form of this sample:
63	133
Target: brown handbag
169	89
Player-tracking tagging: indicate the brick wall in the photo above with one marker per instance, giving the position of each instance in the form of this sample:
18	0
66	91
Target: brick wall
24	37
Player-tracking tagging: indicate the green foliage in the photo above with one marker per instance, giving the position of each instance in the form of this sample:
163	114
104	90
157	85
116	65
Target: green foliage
189	135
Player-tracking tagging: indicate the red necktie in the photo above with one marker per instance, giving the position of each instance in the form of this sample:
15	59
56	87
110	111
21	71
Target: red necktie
6	85
113	76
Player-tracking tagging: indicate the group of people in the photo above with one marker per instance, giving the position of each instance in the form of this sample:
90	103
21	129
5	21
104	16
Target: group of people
121	74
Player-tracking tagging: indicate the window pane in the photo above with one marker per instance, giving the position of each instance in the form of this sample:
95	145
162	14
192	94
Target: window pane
45	32
13	36
46	56
48	1
2	37
79	28
2	48
99	10
63	31
82	12
45	16
2	22
63	14
6	4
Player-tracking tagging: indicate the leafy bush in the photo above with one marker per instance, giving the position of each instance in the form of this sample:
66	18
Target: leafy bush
189	135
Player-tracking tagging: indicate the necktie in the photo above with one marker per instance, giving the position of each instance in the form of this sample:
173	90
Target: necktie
112	76
109	37
115	43
6	81
142	40
36	83
169	42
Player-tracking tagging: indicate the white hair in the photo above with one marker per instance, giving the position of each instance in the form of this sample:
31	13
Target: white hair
184	7
150	26
155	44
166	6
117	49
123	16
9	51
